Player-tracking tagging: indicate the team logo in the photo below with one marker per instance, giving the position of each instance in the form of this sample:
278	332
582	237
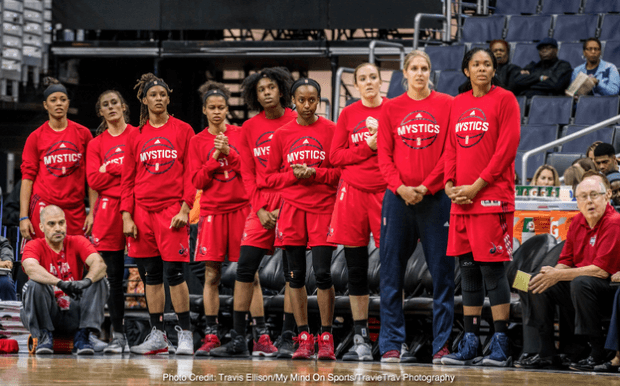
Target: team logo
262	147
158	155
531	227
203	250
471	126
360	133
592	240
183	250
62	159
224	173
494	249
95	241
330	231
306	150
114	155
418	130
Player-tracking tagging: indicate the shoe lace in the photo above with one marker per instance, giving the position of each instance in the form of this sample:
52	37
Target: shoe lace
210	338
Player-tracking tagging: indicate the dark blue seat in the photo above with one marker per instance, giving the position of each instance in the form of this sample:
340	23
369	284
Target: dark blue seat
552	7
522	100
594	109
483	29
350	101
449	82
528	28
572	53
573	28
550	110
580	144
616	140
524	53
533	136
512	7
532	164
610	27
396	87
445	57
611	51
562	161
601	6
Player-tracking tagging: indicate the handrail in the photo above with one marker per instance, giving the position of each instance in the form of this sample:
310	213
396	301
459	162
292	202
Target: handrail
416	26
336	92
328	113
563	140
373	44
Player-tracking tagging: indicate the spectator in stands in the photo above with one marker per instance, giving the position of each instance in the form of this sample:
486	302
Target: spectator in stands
613	336
590	151
55	266
506	72
586	164
614	182
573	176
550	76
10	215
604	74
546	175
7	287
588	259
605	158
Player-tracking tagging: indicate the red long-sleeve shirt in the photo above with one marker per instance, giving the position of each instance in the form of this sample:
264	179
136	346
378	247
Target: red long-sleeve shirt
75	251
56	162
482	143
220	180
297	144
411	141
350	152
255	145
156	171
108	150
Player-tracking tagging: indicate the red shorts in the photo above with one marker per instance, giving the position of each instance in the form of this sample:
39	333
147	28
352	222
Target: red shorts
488	236
297	227
356	215
219	235
156	238
254	235
107	232
75	217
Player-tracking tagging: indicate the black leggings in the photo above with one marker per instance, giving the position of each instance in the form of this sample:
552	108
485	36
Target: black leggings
321	262
249	261
476	275
152	271
115	261
357	264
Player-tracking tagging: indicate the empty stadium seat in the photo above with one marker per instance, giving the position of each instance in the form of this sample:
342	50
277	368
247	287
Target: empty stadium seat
396	87
611	51
445	57
573	28
594	109
524	53
578	145
512	7
572	53
550	110
483	29
449	82
532	164
350	101
533	136
610	27
522	100
528	28
601	6
550	7
561	161
616	138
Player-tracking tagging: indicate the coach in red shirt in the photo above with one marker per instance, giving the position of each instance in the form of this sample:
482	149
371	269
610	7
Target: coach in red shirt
58	297
579	283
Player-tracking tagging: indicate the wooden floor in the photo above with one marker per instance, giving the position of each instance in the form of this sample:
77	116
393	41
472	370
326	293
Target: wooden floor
24	369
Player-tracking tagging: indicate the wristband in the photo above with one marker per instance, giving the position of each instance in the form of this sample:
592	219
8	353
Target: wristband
23	218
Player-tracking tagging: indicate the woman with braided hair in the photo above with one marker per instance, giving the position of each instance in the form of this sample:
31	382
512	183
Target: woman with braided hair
156	197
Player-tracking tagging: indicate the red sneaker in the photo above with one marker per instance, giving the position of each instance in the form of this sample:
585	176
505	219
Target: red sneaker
209	342
306	346
326	346
264	347
392	356
440	354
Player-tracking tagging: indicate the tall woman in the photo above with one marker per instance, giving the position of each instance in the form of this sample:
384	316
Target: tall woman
156	197
54	168
299	167
412	133
354	149
479	179
104	164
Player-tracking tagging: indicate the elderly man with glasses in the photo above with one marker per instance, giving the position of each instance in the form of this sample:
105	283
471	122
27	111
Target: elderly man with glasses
579	283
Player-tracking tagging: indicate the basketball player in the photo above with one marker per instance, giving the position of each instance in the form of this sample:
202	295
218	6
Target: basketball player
479	177
156	197
354	149
412	134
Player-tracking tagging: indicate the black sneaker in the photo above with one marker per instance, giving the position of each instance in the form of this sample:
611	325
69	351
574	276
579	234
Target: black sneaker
81	343
553	362
237	347
285	345
587	364
45	343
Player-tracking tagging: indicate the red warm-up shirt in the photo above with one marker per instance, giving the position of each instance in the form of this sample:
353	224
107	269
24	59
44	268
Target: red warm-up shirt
411	141
350	152
297	144
76	250
56	162
483	141
156	170
108	150
254	148
598	246
220	180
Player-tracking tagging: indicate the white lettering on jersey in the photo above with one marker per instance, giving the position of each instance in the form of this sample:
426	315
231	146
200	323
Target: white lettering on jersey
158	154
296	156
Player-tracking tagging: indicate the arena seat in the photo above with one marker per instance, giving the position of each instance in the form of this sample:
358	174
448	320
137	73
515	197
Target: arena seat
483	29
601	6
594	109
524	54
532	164
573	28
611	51
522	100
270	273
396	86
445	57
605	135
530	254
572	53
533	136
561	161
449	81
550	7
528	28
610	27
512	7
350	101
550	110
616	138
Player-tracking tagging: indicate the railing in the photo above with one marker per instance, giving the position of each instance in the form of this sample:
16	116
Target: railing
328	110
416	26
373	44
336	92
568	138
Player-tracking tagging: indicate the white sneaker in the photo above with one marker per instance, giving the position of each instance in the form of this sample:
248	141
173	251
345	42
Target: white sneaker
98	345
171	348
117	345
155	343
185	340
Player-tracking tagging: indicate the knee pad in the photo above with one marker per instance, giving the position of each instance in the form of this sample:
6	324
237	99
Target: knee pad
174	273
496	283
323	278
249	261
153	268
322	264
296	259
471	281
287	273
357	264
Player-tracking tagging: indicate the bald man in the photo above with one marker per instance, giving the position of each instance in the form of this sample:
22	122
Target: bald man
58	297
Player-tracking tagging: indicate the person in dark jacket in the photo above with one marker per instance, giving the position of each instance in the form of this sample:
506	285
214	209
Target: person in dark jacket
7	287
506	72
10	215
550	76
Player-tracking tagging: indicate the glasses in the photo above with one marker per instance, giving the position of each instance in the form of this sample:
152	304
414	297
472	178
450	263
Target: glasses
593	196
